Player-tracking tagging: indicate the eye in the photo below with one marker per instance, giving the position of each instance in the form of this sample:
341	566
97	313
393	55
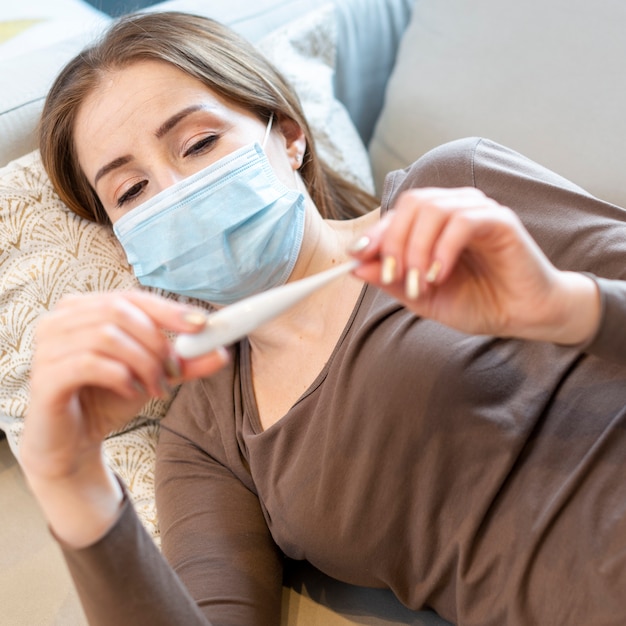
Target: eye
201	146
131	194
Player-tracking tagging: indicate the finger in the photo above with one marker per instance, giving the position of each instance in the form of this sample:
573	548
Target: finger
470	230
406	235
367	247
136	343
58	415
394	242
53	383
432	210
140	315
109	341
204	365
168	314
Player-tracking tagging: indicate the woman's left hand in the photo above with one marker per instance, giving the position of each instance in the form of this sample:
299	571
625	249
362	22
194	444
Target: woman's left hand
458	257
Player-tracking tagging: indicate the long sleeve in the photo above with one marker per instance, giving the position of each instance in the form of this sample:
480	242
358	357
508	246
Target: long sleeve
610	340
124	579
220	566
215	536
577	231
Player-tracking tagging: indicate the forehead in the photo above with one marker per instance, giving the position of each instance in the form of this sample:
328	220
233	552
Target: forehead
132	101
140	84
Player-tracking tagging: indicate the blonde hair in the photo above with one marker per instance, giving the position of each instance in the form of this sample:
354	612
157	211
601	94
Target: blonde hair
211	52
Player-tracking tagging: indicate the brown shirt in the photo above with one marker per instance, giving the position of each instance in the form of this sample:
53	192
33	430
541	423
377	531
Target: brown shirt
478	476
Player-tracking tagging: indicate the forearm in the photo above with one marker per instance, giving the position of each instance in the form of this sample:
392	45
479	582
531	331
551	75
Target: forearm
79	508
592	316
124	579
574	311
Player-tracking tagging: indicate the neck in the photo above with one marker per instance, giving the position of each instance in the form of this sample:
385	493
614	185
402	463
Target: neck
328	309
326	242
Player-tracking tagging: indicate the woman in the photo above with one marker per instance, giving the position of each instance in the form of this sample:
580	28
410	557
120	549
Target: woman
473	467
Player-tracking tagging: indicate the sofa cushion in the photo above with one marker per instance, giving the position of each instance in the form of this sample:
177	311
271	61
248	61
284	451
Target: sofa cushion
37	24
545	78
39	38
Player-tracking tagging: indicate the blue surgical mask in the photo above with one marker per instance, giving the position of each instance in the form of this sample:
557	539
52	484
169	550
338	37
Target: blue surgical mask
222	234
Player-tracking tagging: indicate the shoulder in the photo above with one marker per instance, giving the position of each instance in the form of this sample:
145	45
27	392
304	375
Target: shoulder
449	165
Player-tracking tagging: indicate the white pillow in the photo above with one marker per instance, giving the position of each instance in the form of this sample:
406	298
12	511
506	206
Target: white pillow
30	61
46	251
545	78
40	23
253	20
305	51
24	83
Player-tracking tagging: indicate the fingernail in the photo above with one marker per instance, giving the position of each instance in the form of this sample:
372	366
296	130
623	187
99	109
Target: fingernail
412	284
172	367
388	272
224	354
433	272
139	388
166	388
360	244
197	318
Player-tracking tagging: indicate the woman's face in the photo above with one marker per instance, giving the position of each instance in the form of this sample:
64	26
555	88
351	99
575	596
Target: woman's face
149	125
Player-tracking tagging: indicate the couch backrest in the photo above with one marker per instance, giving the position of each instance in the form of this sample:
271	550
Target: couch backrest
361	73
544	77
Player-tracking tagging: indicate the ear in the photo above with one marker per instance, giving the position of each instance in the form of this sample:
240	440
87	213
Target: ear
295	141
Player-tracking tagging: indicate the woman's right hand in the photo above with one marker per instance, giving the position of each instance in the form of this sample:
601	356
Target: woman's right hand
98	359
460	258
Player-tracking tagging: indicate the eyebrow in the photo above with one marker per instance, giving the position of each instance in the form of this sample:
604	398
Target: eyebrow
114	164
165	128
176	119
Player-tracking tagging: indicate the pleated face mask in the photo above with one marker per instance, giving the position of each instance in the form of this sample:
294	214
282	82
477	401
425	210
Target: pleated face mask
220	235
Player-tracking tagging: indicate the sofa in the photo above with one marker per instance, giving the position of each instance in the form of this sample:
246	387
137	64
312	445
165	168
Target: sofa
382	81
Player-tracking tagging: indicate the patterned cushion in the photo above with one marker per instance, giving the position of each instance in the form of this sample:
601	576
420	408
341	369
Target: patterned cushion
46	251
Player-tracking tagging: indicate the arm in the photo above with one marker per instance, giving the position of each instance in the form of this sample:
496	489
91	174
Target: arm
215	536
123	579
458	257
228	570
98	358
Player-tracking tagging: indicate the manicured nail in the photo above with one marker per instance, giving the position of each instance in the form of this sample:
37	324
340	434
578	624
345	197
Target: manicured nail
138	387
360	244
224	354
166	388
197	318
172	367
388	272
412	284
433	272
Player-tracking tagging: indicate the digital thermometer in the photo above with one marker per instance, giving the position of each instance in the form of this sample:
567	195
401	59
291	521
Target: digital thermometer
237	320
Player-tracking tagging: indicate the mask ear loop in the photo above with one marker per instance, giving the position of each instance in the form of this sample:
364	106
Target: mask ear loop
268	128
267	134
